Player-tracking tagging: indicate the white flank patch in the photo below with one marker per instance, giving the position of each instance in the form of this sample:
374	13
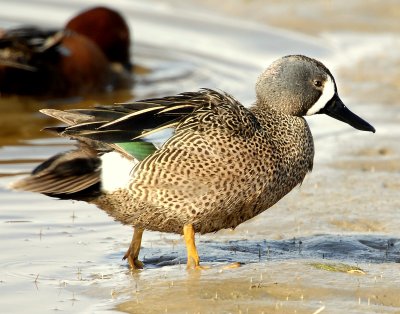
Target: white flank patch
116	171
327	93
158	138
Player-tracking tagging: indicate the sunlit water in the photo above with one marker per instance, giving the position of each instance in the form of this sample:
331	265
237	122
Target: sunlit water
64	255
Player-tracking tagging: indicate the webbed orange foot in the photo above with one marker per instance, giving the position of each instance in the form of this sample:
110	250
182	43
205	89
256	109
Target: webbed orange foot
134	263
133	252
193	260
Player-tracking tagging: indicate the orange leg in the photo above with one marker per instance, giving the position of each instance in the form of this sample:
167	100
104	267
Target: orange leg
133	252
193	260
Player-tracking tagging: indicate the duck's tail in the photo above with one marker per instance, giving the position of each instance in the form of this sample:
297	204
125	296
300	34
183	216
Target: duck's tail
72	175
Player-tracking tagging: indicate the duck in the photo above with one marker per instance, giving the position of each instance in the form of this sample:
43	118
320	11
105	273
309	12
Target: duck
91	54
195	162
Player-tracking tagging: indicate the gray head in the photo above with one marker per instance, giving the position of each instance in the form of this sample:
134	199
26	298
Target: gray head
298	85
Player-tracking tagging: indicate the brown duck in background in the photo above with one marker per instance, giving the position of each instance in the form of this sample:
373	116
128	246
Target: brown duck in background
197	161
90	55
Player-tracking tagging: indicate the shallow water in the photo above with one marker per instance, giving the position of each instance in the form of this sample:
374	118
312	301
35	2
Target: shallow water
64	255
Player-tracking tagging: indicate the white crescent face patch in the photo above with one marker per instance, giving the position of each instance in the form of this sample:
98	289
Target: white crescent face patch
327	93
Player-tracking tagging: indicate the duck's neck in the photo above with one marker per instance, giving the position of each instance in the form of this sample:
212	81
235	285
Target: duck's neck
266	114
287	133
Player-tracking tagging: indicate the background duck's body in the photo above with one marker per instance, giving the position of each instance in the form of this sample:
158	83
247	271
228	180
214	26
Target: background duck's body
91	54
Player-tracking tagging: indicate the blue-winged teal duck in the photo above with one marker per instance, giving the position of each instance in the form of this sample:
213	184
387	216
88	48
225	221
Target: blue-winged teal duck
91	54
197	161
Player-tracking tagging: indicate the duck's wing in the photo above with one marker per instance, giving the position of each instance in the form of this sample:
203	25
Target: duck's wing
140	128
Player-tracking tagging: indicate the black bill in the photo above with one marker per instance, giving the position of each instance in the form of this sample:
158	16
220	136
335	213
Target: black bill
335	108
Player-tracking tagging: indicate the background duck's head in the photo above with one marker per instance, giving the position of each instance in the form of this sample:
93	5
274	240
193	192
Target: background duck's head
108	29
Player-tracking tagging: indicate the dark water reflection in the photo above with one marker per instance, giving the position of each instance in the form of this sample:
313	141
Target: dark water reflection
350	249
20	119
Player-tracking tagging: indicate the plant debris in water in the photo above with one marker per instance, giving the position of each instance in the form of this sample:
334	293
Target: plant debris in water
339	267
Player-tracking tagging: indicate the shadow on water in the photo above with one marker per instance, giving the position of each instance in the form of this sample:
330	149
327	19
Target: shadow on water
345	248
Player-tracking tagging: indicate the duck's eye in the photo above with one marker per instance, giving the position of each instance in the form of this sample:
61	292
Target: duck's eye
317	83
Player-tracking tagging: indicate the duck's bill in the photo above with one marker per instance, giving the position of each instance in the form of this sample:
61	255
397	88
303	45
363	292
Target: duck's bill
335	108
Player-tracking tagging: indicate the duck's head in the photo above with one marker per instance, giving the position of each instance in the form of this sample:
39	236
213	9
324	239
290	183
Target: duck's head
301	86
108	29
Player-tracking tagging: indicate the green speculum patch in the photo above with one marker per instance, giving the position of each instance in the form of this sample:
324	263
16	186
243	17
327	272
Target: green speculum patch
139	150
